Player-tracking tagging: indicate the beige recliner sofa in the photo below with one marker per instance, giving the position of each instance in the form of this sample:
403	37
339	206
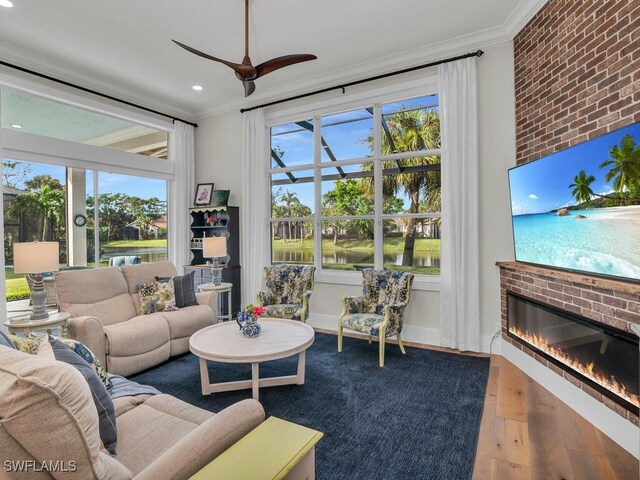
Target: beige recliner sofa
105	315
48	421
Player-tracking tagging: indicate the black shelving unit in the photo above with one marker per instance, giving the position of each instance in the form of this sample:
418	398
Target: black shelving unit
217	221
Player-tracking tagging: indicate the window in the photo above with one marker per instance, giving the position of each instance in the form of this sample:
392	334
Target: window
359	189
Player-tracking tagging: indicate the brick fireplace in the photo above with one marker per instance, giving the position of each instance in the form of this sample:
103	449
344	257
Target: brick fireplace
600	301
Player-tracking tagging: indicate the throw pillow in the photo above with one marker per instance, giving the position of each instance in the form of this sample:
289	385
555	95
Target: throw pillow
101	398
157	297
183	289
88	356
5	340
29	344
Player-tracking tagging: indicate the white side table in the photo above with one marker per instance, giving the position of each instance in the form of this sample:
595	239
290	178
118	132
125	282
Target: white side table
25	325
220	289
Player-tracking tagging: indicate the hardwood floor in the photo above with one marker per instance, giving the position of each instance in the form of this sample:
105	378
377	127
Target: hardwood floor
527	433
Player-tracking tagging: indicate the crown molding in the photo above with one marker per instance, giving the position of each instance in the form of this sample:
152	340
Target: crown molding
28	59
522	14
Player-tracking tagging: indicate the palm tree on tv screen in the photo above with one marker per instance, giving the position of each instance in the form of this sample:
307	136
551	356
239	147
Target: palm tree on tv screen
625	160
582	187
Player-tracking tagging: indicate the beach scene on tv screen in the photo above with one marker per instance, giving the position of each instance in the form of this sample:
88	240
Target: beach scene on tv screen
579	209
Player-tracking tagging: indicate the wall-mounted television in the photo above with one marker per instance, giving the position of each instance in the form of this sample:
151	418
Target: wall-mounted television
579	209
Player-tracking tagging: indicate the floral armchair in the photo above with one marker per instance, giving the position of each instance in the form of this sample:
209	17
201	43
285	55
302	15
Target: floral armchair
379	311
288	290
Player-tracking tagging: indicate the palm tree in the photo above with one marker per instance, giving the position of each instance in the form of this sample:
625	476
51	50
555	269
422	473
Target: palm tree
47	201
625	160
582	187
410	131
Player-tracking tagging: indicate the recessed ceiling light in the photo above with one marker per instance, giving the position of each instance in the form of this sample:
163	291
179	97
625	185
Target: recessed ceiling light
15	125
6	3
197	88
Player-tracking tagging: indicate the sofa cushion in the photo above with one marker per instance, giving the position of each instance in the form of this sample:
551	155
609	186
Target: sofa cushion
152	427
157	297
96	292
139	335
101	398
187	321
47	413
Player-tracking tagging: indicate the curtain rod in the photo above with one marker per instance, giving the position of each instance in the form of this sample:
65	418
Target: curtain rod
477	53
88	90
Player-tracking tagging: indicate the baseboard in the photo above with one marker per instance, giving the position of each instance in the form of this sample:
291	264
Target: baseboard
619	429
410	333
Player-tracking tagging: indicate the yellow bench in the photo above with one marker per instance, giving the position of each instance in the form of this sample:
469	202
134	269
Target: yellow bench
274	450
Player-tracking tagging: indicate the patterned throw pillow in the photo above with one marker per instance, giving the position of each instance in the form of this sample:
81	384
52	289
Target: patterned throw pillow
29	344
88	356
183	289
157	297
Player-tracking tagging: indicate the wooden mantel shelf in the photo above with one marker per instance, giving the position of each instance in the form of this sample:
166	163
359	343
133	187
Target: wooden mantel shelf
581	278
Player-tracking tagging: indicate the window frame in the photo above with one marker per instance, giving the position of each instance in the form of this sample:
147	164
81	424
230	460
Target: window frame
377	97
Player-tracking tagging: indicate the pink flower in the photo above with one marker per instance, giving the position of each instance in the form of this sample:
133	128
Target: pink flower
257	311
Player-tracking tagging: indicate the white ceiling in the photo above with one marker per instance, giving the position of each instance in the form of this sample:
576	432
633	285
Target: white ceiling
123	47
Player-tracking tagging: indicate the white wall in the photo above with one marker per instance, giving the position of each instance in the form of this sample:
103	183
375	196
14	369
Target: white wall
219	150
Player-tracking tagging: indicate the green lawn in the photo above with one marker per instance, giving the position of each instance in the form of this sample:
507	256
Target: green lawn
17	289
161	242
391	245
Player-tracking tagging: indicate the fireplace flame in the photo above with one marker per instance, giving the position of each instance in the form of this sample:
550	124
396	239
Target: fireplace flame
610	383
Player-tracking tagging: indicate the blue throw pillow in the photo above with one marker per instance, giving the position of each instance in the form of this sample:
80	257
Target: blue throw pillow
183	286
101	398
4	340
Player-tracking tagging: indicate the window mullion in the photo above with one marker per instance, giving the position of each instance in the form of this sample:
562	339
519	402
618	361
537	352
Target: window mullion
317	195
378	239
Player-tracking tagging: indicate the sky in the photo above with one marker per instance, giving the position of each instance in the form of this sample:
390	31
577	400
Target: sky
543	185
344	139
107	182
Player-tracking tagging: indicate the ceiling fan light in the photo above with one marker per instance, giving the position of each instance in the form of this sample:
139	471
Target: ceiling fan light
6	3
197	88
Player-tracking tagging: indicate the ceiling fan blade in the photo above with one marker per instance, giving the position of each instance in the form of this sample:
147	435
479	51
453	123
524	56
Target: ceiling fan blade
249	87
281	62
236	66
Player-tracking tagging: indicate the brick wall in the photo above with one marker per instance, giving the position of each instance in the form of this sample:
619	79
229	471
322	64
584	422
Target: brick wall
577	74
611	302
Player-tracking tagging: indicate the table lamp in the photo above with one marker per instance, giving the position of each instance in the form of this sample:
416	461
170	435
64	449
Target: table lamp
214	248
32	259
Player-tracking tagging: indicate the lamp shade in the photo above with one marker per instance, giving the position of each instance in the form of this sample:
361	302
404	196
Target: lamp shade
214	247
35	257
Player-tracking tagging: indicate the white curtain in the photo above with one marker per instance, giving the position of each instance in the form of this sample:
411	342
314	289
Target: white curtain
459	277
181	151
255	204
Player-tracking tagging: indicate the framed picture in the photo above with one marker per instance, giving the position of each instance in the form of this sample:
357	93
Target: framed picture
203	194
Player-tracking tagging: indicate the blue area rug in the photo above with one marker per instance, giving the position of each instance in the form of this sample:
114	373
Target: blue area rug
416	418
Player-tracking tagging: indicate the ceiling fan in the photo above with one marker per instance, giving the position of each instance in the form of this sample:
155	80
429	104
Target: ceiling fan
245	71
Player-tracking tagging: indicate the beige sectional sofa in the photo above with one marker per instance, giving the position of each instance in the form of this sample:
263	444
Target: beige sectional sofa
105	315
48	421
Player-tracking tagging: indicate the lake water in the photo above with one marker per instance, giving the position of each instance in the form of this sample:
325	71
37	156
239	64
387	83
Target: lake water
147	254
607	241
420	259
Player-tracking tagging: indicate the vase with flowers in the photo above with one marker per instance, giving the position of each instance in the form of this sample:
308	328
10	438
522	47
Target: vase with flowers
247	320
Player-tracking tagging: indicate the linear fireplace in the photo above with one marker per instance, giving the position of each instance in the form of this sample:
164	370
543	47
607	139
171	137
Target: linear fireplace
604	357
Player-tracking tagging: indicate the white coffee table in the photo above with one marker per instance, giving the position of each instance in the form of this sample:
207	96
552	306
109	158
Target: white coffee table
223	342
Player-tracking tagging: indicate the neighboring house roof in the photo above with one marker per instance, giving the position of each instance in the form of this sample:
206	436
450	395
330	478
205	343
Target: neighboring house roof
160	222
11	190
